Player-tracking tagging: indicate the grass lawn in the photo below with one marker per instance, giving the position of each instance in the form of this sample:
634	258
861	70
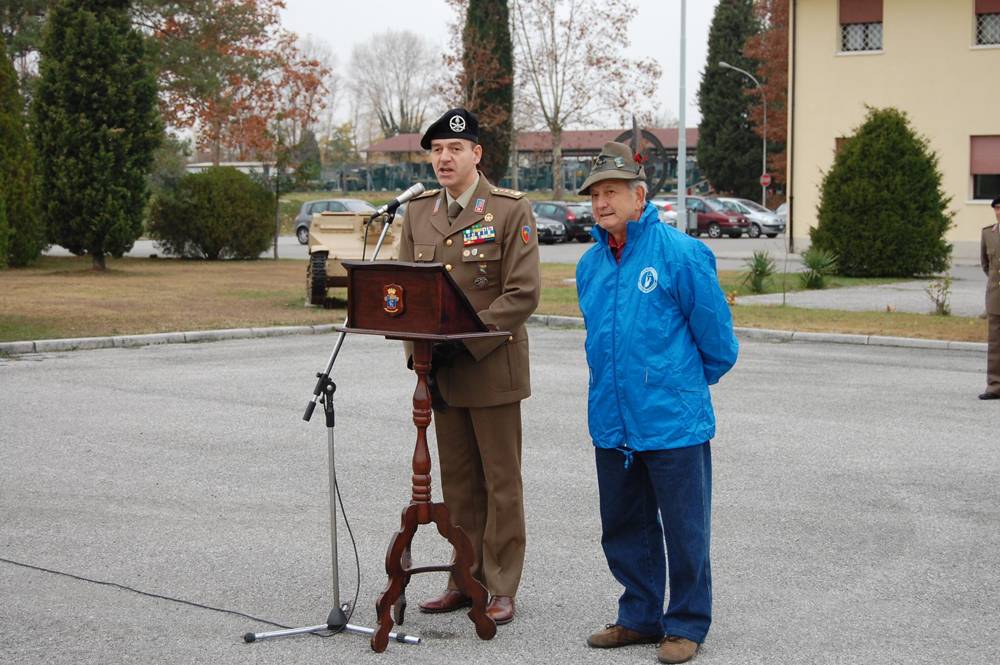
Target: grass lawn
63	297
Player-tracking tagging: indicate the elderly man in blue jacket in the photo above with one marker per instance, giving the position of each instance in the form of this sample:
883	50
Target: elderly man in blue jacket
659	333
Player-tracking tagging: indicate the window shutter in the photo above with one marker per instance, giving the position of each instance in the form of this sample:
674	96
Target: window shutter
985	155
861	11
988	6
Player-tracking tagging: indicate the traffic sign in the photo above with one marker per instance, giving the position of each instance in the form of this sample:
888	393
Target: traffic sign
765	180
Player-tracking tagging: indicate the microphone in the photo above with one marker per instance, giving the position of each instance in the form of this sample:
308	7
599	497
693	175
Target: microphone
416	190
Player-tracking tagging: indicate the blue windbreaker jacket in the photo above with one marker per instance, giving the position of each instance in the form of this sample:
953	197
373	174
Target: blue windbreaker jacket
659	332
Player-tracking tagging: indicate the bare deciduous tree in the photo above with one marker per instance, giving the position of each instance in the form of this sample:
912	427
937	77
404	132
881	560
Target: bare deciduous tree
324	98
392	76
570	56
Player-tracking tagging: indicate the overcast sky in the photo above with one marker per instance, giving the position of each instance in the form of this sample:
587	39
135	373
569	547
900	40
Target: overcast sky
655	33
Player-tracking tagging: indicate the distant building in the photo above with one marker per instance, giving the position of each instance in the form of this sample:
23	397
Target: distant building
534	156
250	168
937	61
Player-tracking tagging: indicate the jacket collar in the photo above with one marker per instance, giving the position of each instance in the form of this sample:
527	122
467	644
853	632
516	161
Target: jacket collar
468	216
633	229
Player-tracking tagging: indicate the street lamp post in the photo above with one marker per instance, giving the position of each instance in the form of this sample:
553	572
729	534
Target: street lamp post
763	99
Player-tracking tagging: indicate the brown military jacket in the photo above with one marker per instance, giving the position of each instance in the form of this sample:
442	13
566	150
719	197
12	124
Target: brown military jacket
989	250
491	251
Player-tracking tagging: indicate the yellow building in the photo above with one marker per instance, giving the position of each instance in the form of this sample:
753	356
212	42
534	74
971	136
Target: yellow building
937	60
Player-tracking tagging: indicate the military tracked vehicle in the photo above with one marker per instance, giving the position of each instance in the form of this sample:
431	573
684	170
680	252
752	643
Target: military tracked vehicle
335	236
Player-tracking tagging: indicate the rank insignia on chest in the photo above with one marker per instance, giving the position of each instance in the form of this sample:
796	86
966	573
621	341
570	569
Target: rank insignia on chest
480	205
477	234
392	299
526	234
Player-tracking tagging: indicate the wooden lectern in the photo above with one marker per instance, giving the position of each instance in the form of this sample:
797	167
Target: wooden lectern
420	303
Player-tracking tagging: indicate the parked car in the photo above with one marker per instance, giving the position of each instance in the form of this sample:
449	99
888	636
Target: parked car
782	212
762	220
714	219
666	210
577	217
310	208
550	231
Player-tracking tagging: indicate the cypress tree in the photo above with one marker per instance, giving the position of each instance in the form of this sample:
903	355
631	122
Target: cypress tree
488	67
95	126
729	152
882	210
22	236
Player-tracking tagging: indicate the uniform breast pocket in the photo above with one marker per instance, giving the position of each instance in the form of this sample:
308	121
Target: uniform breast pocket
483	263
423	252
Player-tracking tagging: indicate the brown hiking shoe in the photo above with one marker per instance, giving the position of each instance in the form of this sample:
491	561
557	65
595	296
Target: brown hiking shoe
614	636
673	649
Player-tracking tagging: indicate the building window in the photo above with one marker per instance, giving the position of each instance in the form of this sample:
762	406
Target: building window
985	166
860	25
987	22
988	29
861	37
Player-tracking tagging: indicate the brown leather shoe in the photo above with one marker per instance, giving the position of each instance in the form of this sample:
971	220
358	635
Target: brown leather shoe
501	609
614	636
673	649
449	601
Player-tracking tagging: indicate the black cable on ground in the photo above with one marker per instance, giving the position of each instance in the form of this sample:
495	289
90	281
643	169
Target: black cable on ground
124	587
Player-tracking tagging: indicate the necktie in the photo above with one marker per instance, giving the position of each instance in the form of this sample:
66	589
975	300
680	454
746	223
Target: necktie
454	210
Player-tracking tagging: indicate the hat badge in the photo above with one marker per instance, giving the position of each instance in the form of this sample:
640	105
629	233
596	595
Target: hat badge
457	123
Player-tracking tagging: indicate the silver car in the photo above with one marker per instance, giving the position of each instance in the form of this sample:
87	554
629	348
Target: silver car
762	220
310	208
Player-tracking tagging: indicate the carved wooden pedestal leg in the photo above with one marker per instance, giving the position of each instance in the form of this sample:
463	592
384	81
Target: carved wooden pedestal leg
422	511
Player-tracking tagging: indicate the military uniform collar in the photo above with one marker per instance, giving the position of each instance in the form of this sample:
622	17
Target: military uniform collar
466	196
468	216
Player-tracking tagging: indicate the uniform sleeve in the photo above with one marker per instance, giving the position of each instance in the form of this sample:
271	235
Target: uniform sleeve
406	240
406	254
702	302
984	257
519	278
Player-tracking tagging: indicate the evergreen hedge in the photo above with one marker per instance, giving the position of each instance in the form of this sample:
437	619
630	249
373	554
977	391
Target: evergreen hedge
22	234
96	125
882	211
220	213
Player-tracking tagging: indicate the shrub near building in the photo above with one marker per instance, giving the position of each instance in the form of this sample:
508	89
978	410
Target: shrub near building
216	214
882	211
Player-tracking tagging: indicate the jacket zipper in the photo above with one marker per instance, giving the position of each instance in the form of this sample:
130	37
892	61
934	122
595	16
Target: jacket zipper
614	344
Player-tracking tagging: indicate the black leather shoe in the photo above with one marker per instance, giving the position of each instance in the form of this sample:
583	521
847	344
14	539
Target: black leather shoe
989	396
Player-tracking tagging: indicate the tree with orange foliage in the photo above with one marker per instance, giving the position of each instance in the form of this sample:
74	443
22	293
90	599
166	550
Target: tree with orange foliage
228	69
770	49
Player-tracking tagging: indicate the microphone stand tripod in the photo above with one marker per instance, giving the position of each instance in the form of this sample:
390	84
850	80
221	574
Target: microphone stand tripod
336	621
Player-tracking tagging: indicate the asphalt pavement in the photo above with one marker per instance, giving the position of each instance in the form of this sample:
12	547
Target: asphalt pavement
855	507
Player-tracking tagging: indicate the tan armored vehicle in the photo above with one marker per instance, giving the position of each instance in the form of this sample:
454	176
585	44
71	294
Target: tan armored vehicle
335	236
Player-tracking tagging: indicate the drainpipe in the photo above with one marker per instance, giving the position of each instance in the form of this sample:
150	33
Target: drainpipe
790	154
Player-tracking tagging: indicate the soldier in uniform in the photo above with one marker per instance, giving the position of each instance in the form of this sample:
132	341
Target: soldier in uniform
989	250
486	238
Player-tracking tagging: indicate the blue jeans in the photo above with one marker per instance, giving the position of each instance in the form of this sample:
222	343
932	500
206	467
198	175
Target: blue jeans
663	496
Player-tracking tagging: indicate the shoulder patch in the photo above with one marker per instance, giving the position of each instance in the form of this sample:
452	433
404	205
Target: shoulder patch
427	193
509	193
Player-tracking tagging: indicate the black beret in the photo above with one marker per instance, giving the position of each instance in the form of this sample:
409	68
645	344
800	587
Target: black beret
454	124
995	202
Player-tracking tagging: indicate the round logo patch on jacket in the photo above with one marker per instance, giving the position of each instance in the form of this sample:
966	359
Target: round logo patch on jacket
648	279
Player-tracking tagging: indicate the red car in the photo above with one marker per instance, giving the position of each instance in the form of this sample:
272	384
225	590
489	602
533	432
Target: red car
715	219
